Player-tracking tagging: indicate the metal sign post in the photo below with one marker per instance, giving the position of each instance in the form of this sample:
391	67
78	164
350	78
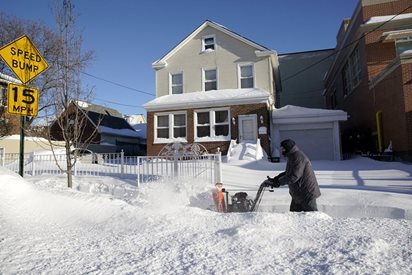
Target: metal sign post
26	62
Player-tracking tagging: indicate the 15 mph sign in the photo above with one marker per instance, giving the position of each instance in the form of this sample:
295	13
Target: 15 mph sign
23	59
22	100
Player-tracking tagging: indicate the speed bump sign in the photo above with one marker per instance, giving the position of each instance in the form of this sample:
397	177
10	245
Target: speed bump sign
23	58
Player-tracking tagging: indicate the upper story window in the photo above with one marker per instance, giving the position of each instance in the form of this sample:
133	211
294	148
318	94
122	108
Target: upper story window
212	124
210	79
403	44
351	73
170	126
246	76
176	83
208	43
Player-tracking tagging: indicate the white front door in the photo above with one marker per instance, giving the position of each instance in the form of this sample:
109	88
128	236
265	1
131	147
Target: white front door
247	128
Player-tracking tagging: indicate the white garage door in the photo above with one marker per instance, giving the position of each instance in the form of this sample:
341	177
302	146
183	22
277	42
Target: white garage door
317	144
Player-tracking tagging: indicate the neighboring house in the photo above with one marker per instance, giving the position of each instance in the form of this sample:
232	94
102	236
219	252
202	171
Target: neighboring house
108	130
9	123
213	87
135	119
11	144
371	77
302	78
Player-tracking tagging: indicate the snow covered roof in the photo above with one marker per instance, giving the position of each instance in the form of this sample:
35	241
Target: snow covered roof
9	79
119	132
261	50
296	114
385	18
208	99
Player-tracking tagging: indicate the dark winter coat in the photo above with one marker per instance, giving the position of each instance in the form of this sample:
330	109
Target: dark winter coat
300	177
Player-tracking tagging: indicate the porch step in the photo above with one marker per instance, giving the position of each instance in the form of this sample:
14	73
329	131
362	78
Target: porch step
244	151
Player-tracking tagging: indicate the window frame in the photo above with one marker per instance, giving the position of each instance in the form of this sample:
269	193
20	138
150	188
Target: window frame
204	78
171	83
204	45
239	70
212	125
402	40
171	127
351	72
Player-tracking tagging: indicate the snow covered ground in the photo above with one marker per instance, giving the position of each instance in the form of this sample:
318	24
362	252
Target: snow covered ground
364	226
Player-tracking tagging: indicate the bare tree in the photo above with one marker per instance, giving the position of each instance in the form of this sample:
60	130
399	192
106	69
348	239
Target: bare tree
68	90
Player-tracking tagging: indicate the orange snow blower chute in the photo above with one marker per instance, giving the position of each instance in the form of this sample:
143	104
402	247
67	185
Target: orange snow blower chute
218	198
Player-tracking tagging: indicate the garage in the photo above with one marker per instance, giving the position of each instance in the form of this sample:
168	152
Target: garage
315	131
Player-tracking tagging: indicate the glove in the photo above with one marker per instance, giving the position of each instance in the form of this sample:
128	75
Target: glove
272	182
268	182
275	182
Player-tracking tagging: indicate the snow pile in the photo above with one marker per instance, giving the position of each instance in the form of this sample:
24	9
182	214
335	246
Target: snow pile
164	228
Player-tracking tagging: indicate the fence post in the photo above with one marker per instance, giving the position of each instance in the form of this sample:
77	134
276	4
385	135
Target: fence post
33	164
138	172
2	157
218	167
122	162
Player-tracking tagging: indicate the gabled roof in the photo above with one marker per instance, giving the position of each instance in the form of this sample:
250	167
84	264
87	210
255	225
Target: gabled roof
212	98
260	50
109	120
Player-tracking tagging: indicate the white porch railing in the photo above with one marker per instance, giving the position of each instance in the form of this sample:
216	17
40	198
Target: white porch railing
142	168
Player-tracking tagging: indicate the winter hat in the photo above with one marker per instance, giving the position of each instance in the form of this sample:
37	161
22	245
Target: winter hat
287	144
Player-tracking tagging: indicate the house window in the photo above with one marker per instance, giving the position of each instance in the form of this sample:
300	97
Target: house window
246	76
351	73
3	98
170	127
210	79
212	125
176	83
403	44
208	43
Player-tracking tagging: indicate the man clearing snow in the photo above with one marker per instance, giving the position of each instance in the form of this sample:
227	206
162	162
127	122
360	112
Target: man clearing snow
299	176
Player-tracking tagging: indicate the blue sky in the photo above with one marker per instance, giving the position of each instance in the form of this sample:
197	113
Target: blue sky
128	35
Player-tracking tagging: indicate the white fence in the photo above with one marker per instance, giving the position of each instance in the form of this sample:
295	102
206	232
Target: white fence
141	168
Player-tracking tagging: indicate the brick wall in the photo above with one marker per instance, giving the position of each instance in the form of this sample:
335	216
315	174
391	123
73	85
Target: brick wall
212	147
392	95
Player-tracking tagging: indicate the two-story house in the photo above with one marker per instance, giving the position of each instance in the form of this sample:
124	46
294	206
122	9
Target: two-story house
371	77
213	87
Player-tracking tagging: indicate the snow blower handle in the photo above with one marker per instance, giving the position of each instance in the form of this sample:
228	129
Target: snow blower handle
272	182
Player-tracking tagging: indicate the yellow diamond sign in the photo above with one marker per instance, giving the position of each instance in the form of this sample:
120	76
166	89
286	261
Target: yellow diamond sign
23	59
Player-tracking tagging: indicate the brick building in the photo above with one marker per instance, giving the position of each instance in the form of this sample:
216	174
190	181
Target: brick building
371	77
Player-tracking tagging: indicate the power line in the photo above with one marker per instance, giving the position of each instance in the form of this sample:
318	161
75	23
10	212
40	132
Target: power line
121	104
117	84
344	47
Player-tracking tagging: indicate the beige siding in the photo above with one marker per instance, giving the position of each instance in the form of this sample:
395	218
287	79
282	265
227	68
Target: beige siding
228	54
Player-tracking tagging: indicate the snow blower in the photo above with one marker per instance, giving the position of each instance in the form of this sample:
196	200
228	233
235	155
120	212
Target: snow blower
240	201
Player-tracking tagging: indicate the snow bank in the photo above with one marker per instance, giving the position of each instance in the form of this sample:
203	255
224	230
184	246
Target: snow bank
164	228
